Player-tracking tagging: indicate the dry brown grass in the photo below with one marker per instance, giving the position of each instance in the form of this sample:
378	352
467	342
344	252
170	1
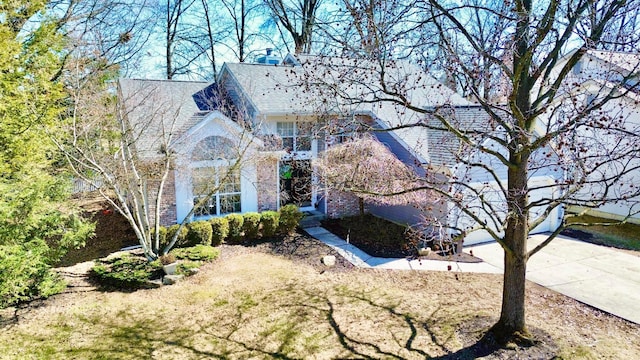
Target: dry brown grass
257	305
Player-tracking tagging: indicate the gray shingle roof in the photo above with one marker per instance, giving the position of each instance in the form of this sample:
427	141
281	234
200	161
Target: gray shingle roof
346	86
158	111
271	89
447	148
626	62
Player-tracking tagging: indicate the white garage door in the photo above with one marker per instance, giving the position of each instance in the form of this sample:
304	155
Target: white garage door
493	196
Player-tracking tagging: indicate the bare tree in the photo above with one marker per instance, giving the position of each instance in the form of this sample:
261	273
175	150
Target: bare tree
624	27
176	32
368	28
243	16
212	36
127	144
559	121
117	33
298	19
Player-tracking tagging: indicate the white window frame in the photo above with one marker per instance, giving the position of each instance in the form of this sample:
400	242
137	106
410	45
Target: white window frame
294	134
216	200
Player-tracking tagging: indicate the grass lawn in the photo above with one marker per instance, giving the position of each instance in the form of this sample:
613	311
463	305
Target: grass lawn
258	305
625	236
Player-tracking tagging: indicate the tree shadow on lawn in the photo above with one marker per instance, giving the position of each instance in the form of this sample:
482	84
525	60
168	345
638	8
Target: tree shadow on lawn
344	324
482	344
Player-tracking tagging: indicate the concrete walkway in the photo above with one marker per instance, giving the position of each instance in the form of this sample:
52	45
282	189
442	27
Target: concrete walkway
361	259
599	276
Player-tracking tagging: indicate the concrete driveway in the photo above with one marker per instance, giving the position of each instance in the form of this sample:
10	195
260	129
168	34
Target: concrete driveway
602	277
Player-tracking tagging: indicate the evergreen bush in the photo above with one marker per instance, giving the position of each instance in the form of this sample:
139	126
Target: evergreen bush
251	226
235	228
269	221
220	230
290	217
126	272
26	274
199	233
182	236
197	253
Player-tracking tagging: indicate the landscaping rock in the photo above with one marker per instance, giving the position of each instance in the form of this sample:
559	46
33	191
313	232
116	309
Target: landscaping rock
154	284
171	279
192	271
329	260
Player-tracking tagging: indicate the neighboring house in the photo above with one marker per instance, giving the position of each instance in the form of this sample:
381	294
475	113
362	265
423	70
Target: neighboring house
597	75
270	121
477	184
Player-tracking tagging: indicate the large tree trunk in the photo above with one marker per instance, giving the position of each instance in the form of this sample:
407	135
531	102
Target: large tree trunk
511	327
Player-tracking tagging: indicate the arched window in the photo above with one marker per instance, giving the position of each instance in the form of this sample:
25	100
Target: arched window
214	148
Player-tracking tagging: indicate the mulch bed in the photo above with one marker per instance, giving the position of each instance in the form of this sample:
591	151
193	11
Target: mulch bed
297	247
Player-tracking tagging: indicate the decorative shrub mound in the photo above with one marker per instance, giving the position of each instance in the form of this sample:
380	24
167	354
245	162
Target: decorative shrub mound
126	272
235	228
220	230
199	233
182	236
251	226
290	217
269	221
192	257
197	253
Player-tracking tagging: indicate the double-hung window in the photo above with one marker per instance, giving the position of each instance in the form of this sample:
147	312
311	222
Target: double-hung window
216	191
296	136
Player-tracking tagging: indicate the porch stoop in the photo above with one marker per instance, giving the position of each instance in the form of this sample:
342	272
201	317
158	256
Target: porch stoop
312	219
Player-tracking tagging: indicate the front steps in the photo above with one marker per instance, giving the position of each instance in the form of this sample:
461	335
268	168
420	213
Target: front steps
312	219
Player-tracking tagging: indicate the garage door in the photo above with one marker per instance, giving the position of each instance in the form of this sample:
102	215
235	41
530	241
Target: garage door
492	196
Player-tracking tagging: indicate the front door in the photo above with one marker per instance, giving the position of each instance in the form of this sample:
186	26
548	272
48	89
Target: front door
296	183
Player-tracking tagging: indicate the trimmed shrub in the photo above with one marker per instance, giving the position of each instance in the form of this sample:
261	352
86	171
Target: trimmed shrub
126	272
196	253
269	221
290	217
182	236
220	230
235	228
25	274
199	232
251	225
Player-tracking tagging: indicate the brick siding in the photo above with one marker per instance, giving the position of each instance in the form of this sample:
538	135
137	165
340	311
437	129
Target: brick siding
340	204
267	186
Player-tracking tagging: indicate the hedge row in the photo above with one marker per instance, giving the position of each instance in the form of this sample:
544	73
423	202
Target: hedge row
234	228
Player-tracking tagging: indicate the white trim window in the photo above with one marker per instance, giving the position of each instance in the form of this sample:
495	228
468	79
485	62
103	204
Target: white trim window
296	136
214	178
223	186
